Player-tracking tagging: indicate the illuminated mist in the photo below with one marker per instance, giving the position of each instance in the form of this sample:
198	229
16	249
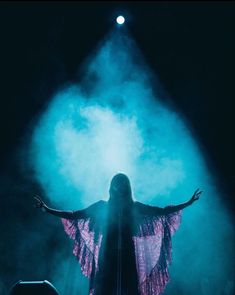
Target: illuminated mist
114	122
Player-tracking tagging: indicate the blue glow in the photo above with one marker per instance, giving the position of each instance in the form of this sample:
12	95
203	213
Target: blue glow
120	20
114	122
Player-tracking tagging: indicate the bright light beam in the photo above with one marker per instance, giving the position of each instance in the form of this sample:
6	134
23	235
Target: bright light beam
114	121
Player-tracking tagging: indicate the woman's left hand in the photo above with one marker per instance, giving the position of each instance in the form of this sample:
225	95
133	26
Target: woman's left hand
195	196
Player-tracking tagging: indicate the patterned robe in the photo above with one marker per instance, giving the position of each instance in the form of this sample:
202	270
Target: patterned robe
145	230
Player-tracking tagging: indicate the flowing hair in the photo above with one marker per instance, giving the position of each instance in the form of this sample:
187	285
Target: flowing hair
120	182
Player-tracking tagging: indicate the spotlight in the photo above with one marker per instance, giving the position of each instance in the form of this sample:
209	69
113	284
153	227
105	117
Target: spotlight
120	20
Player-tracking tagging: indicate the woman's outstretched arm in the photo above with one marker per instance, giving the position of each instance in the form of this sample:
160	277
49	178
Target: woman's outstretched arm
154	210
172	209
62	214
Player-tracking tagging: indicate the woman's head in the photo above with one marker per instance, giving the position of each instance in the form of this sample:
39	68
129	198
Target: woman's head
120	189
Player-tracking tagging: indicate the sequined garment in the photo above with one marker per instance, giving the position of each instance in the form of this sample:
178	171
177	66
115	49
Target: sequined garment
151	243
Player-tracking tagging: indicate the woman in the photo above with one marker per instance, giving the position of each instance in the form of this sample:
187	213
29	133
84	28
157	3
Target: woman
123	246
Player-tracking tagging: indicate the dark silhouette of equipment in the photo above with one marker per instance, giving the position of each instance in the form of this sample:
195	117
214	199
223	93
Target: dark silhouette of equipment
33	288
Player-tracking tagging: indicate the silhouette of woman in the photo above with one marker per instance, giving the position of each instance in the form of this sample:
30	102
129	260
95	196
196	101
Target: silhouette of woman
123	246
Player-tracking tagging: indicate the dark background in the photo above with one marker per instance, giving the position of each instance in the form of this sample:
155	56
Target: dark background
189	45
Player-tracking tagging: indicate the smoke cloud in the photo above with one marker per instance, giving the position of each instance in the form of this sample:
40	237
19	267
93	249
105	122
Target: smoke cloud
116	121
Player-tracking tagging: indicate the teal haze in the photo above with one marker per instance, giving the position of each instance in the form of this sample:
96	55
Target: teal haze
114	121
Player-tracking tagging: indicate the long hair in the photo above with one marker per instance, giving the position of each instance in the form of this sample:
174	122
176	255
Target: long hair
120	190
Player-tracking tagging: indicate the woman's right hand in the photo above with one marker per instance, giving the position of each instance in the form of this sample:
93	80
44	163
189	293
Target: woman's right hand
39	202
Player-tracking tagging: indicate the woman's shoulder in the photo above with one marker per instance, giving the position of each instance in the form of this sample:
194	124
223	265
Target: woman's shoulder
147	209
140	207
99	205
139	204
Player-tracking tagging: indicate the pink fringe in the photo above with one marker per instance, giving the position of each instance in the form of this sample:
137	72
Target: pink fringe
153	252
153	249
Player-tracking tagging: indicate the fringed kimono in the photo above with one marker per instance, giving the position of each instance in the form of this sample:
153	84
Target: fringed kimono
147	231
